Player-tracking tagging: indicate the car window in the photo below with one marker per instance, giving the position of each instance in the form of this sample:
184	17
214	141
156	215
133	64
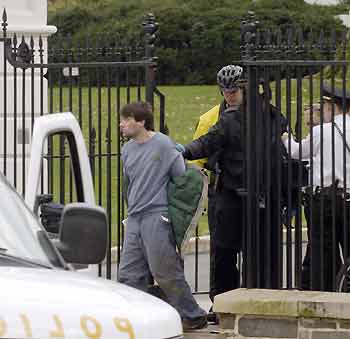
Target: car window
21	234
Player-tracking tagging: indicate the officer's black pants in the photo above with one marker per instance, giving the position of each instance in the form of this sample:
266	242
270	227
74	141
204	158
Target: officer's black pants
227	241
322	260
265	250
211	224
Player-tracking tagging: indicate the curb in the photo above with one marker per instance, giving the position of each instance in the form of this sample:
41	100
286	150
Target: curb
202	243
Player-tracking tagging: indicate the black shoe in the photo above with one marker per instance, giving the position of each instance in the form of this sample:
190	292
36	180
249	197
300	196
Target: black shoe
212	318
194	324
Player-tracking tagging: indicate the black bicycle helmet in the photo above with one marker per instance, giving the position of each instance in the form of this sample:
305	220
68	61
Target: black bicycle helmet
229	76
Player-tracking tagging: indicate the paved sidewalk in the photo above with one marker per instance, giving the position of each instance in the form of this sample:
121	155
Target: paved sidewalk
203	300
211	332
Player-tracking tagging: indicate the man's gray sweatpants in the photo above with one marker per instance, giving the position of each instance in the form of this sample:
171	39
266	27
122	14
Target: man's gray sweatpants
149	247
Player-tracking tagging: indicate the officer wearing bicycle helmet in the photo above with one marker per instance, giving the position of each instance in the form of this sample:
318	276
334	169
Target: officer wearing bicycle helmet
229	82
224	146
229	77
219	147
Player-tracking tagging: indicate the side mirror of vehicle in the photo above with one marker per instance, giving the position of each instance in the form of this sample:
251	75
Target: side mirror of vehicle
83	234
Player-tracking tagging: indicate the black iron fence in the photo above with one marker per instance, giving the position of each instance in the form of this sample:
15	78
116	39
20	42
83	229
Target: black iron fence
92	80
297	218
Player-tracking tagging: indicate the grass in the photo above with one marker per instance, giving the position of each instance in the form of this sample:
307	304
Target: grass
184	105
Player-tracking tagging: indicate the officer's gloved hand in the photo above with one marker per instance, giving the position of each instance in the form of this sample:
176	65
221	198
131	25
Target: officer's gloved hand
181	148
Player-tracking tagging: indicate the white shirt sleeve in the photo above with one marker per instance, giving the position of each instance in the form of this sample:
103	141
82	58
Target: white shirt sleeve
305	145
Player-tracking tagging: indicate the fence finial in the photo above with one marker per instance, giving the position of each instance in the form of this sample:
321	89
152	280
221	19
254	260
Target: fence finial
41	50
248	36
150	27
4	23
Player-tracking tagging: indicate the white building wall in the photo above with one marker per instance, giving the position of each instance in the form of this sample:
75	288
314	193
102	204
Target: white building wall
27	18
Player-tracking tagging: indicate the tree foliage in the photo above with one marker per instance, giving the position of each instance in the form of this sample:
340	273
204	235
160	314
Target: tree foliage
195	37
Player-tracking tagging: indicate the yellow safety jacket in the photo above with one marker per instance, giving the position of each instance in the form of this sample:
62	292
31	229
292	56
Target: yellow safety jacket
206	121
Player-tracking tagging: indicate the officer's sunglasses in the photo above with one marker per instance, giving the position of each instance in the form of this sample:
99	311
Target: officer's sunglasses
231	90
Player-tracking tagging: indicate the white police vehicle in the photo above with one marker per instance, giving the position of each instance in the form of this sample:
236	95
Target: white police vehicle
41	297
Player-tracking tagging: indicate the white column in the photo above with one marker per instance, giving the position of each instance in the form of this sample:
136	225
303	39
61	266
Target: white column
26	18
345	18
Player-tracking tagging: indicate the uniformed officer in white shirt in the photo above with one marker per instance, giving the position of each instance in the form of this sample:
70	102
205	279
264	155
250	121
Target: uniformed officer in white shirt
326	202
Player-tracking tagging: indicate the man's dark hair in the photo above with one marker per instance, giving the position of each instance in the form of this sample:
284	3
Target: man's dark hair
139	111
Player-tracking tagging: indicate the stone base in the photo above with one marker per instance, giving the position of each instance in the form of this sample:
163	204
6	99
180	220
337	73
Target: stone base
275	314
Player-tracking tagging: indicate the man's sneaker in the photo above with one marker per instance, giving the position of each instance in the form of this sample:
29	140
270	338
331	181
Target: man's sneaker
194	324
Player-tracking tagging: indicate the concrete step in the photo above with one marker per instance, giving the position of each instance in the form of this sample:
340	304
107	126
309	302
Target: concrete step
211	332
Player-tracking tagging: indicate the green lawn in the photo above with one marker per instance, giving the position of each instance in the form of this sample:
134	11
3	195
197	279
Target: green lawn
184	105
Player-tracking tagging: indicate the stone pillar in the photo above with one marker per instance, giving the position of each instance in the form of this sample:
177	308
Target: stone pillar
28	19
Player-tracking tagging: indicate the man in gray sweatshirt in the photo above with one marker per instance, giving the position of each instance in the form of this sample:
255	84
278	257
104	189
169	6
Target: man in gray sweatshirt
149	160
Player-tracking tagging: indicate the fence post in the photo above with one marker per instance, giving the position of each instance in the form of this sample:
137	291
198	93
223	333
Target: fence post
150	27
248	35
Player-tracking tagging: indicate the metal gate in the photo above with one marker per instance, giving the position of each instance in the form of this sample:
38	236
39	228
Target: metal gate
92	79
285	68
287	71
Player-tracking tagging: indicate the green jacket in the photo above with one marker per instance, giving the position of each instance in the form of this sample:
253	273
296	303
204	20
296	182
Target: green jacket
186	196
